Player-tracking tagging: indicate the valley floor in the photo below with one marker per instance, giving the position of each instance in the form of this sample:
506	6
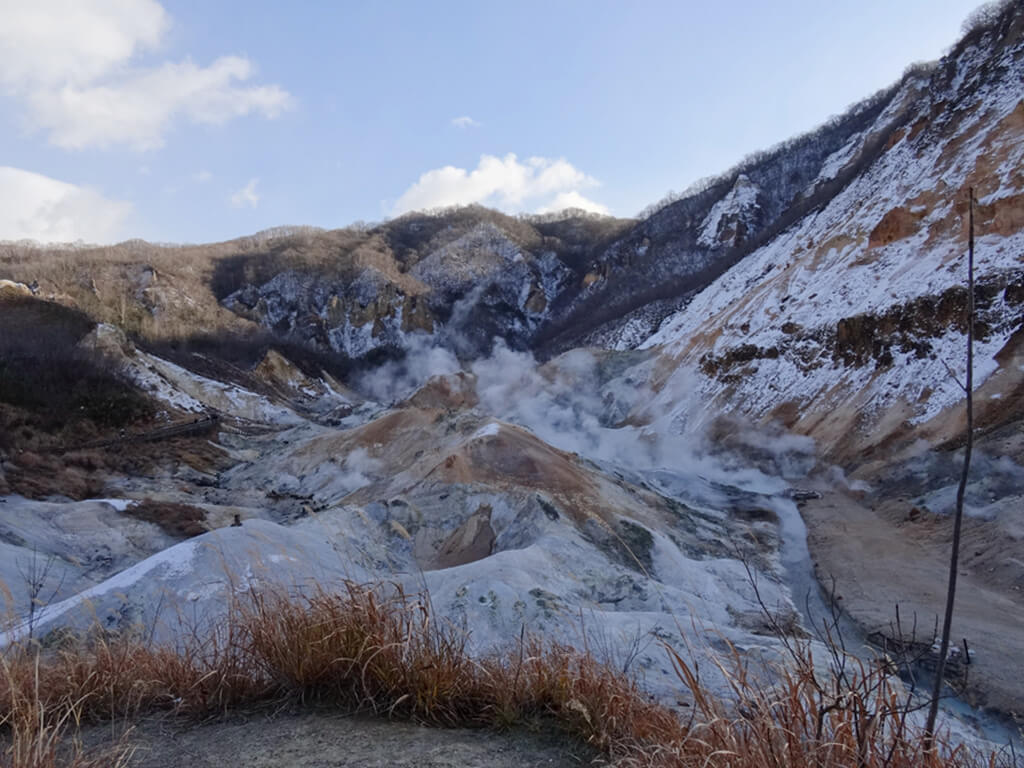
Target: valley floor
883	556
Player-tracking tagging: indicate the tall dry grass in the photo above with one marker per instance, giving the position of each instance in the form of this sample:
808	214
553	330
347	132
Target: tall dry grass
40	730
360	650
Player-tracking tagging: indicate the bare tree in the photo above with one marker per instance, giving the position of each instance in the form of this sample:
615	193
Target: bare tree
958	516
35	574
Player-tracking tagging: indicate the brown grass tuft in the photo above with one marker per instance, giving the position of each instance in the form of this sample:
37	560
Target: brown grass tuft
361	649
179	520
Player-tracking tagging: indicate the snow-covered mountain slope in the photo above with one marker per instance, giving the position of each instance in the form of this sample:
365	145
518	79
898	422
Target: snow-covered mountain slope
849	325
906	134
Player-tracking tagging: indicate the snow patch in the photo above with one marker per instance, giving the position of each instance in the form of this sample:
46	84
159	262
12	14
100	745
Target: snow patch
488	430
740	202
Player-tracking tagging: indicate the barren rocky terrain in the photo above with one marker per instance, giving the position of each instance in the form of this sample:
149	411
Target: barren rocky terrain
592	430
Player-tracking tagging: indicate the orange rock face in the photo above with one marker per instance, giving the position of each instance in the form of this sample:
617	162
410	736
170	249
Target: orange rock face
895	225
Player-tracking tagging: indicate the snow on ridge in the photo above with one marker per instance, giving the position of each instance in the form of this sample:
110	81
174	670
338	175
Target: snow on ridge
490	429
740	201
149	380
835	162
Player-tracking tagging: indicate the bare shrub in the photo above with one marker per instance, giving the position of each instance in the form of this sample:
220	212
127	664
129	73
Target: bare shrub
178	520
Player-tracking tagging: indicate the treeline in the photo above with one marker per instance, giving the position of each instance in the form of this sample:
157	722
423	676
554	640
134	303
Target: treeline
990	17
858	115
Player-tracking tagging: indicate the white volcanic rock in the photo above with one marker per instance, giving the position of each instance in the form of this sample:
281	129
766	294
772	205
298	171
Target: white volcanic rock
78	543
502	530
189	585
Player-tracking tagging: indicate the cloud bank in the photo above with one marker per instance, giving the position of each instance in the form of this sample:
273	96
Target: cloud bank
70	65
37	207
540	184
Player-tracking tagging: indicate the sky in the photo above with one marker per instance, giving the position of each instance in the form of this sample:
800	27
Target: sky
198	121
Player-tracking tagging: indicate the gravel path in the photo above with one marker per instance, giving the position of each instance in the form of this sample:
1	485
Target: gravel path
326	740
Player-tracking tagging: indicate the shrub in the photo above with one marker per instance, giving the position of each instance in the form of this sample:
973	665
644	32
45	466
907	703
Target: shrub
178	520
45	370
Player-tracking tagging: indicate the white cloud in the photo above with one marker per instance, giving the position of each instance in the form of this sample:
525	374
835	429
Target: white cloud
574	199
37	207
201	177
465	122
52	42
139	107
539	184
70	64
246	195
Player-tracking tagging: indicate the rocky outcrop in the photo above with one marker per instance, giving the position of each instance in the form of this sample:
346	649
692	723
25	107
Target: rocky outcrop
905	332
464	293
897	224
472	541
909	327
733	218
11	288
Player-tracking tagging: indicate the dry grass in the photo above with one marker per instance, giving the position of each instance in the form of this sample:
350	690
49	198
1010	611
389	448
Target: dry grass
860	717
361	651
40	730
182	521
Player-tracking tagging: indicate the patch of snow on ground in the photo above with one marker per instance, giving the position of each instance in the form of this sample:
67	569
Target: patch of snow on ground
119	504
835	162
488	430
199	393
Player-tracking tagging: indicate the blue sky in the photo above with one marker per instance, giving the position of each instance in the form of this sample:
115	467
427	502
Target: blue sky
193	121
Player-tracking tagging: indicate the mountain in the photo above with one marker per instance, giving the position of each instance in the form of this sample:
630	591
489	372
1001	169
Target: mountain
843	325
606	430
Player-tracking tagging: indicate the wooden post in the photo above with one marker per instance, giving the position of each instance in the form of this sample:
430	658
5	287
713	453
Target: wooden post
954	558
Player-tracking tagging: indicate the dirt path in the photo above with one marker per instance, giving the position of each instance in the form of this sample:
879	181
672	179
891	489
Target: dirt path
326	740
881	557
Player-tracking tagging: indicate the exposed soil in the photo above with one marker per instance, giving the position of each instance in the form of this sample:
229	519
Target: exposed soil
895	225
326	739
